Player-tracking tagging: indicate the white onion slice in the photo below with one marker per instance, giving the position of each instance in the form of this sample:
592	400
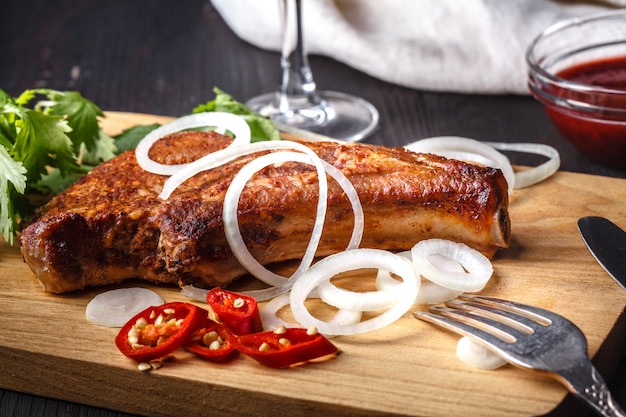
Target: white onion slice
429	292
469	150
478	268
432	293
477	355
195	293
280	283
347	261
355	202
231	222
115	307
345	317
224	156
271	321
362	301
538	173
268	313
221	120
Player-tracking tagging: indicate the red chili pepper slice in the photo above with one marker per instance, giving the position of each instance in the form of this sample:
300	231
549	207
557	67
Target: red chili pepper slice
238	312
213	342
159	330
283	347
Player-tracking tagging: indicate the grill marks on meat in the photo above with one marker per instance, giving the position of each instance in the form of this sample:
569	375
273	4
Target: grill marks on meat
112	226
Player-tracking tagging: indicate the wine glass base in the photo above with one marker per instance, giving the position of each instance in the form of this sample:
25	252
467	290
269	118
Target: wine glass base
338	115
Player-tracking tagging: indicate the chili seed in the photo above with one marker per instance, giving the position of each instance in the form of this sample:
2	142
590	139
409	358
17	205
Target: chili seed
169	311
311	331
284	341
209	338
215	345
133	336
152	314
144	366
280	330
238	303
156	364
159	320
141	323
264	347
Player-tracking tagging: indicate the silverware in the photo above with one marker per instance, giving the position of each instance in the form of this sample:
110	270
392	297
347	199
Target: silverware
531	338
607	243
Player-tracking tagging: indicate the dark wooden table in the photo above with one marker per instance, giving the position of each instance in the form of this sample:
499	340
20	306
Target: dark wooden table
164	57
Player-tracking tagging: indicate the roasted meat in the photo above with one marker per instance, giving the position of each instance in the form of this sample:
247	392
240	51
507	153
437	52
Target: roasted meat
111	225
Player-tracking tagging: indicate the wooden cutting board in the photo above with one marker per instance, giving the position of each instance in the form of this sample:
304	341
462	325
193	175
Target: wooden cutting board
48	348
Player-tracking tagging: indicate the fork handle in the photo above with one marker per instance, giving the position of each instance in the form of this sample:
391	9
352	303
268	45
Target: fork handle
586	383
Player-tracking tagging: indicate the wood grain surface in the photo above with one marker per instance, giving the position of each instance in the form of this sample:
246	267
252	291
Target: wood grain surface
408	368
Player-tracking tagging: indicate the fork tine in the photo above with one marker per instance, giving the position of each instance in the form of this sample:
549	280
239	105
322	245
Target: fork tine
494	323
456	326
480	321
540	315
511	319
480	336
555	345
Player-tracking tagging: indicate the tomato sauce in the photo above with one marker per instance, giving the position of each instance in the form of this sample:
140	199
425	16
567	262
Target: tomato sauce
601	136
608	73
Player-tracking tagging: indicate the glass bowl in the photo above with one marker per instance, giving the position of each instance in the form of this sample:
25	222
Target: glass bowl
577	70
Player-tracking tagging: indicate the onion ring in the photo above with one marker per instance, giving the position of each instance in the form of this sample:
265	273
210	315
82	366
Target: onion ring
280	283
381	299
224	156
195	293
478	266
469	150
231	223
271	321
535	174
429	292
346	261
229	121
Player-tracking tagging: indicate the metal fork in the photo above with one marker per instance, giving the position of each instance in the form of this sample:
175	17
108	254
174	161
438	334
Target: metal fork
531	338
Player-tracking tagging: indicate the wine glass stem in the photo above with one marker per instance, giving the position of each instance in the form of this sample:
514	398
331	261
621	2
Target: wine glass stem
297	86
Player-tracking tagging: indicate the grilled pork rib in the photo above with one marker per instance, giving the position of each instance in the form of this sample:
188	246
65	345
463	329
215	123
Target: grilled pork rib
111	225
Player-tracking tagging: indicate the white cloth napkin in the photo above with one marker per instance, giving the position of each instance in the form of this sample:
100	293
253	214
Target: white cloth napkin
470	46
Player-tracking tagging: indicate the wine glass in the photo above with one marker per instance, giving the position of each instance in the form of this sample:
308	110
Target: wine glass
298	103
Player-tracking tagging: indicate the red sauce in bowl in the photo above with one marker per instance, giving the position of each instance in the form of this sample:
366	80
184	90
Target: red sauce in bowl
601	133
608	73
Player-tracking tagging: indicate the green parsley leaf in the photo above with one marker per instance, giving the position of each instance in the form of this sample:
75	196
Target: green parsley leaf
103	150
129	138
12	182
81	114
261	128
41	142
53	182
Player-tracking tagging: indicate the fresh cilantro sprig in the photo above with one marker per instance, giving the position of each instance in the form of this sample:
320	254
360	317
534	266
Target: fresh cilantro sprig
261	128
49	139
41	132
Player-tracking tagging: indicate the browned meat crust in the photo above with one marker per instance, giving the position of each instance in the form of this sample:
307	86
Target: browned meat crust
112	226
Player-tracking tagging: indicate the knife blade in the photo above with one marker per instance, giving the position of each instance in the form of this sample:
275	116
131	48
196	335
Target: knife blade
607	243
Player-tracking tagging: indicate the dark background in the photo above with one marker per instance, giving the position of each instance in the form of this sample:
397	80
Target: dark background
164	57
